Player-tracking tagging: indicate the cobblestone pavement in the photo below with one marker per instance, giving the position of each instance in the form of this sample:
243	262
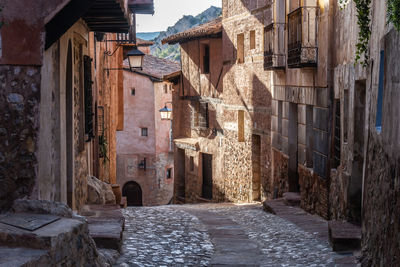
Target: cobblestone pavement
218	234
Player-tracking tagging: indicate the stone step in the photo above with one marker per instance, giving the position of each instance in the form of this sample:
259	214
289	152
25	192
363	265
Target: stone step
43	238
106	225
344	236
15	257
292	199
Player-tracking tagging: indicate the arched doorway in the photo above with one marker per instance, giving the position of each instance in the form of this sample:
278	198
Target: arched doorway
133	193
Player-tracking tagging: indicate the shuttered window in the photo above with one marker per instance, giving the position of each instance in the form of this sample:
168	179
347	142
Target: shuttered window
88	95
200	115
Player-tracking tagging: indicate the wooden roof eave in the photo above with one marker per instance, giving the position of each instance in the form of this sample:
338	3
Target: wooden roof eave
99	15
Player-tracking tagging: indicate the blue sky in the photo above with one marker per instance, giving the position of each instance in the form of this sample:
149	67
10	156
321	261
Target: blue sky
168	12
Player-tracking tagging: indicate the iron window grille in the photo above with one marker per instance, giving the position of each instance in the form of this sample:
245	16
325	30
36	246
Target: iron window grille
274	46
302	37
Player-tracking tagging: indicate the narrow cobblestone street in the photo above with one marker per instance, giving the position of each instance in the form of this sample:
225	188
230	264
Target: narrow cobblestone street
218	234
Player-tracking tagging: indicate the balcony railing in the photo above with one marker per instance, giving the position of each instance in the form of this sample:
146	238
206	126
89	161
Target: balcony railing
302	37
274	54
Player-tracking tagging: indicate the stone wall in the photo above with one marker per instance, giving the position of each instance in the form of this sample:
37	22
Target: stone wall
19	129
381	213
280	168
381	201
196	138
314	192
246	89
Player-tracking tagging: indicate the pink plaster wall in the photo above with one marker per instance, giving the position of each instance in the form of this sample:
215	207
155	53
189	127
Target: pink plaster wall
142	110
22	35
138	113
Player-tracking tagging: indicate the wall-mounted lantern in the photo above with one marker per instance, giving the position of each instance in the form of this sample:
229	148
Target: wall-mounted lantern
135	58
166	113
142	164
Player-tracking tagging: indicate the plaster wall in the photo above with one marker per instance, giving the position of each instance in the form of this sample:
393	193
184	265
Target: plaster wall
141	110
52	177
23	32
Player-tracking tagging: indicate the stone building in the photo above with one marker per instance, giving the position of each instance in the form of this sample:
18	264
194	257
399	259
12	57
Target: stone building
197	115
223	109
145	164
55	75
247	101
297	53
365	185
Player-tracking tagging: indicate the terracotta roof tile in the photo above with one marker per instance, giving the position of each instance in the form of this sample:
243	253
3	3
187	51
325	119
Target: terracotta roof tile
141	42
209	29
156	67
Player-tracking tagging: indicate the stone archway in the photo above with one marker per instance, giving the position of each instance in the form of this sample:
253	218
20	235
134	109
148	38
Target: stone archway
133	193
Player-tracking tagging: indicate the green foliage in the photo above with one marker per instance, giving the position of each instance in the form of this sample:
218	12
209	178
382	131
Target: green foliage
103	147
393	13
363	21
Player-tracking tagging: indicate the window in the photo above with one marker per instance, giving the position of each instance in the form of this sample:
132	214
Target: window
165	88
240	48
252	40
191	164
200	115
144	131
268	34
206	59
241	126
169	173
88	96
378	123
133	91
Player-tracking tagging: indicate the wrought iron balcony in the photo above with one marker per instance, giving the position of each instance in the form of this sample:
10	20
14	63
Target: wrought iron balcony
274	45
302	37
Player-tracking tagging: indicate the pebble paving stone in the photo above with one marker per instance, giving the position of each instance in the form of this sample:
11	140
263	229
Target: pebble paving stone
218	235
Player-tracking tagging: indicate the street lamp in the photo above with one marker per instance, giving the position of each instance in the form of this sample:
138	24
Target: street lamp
135	58
166	113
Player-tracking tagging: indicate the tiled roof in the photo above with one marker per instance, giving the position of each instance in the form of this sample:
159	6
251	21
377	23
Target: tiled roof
141	42
209	29
156	67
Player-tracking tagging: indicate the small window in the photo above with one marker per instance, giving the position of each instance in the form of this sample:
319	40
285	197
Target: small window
252	40
169	173
166	88
133	91
240	48
144	131
241	126
191	164
206	59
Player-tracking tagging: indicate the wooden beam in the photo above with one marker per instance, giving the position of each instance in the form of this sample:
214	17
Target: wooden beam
64	20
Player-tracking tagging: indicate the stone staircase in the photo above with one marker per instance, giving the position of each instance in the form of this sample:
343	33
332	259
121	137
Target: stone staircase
344	236
30	239
106	225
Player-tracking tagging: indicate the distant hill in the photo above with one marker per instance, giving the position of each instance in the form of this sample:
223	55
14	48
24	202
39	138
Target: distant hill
172	51
148	36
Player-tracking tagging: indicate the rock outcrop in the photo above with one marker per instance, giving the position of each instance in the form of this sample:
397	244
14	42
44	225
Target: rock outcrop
99	192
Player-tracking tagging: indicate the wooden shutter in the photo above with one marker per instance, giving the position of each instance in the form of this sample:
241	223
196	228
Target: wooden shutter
89	129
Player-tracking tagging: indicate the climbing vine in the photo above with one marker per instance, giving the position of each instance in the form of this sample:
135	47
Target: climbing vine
364	22
393	13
